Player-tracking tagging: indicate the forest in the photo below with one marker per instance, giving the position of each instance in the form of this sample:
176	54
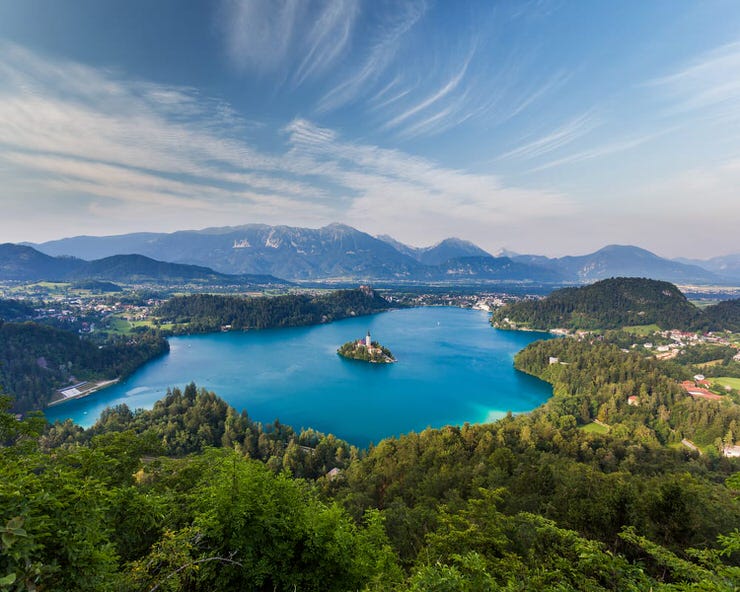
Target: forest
193	495
203	313
616	303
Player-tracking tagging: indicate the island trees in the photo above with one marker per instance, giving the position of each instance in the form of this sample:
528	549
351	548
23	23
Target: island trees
360	350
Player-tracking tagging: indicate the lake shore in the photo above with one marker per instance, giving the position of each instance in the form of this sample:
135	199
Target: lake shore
83	389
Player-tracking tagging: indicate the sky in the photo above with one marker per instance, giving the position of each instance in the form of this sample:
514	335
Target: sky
546	126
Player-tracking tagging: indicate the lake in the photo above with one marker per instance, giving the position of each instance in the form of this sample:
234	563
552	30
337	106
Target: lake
452	368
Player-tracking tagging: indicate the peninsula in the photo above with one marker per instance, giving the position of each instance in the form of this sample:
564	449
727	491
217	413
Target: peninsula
366	350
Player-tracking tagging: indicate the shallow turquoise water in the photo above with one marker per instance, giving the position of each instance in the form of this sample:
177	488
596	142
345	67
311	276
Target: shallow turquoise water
452	368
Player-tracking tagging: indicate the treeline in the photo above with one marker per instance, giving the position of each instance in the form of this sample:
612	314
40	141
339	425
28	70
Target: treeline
594	380
725	314
192	420
208	312
13	310
616	303
36	359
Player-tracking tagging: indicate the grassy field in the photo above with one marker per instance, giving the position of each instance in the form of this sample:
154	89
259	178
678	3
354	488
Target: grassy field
727	381
118	326
642	329
150	325
595	428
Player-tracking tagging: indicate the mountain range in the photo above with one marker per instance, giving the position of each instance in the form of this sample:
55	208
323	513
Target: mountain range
338	252
24	263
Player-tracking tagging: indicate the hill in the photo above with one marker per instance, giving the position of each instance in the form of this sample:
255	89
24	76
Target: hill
607	304
724	315
23	263
209	312
19	262
36	359
621	261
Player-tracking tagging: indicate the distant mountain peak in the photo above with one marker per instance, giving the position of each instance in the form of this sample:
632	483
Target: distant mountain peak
504	252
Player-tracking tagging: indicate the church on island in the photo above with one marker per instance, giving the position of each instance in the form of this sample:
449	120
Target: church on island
366	350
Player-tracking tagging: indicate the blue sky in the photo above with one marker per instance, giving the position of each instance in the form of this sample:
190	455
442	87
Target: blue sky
551	127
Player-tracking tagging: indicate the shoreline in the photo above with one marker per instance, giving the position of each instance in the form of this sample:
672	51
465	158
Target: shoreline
97	386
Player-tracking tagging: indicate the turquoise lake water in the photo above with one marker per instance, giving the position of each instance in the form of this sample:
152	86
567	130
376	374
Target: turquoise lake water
452	368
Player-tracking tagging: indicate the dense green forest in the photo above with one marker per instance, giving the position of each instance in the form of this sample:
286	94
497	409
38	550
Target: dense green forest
724	314
192	420
615	303
13	310
207	312
195	496
36	359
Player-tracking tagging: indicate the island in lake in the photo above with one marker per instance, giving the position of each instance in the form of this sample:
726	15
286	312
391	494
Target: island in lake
366	350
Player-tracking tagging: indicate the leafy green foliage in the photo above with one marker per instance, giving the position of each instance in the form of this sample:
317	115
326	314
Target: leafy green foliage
193	420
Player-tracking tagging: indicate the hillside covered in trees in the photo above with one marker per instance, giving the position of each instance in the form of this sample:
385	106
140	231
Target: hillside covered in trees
36	359
594	380
208	312
614	303
13	310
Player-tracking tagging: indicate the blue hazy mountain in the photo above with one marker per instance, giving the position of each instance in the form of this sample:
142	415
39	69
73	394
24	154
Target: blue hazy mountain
340	252
727	266
620	261
24	263
450	248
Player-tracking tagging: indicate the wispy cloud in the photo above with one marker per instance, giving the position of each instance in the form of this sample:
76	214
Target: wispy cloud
258	33
379	55
435	97
558	138
599	151
708	85
328	38
300	38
